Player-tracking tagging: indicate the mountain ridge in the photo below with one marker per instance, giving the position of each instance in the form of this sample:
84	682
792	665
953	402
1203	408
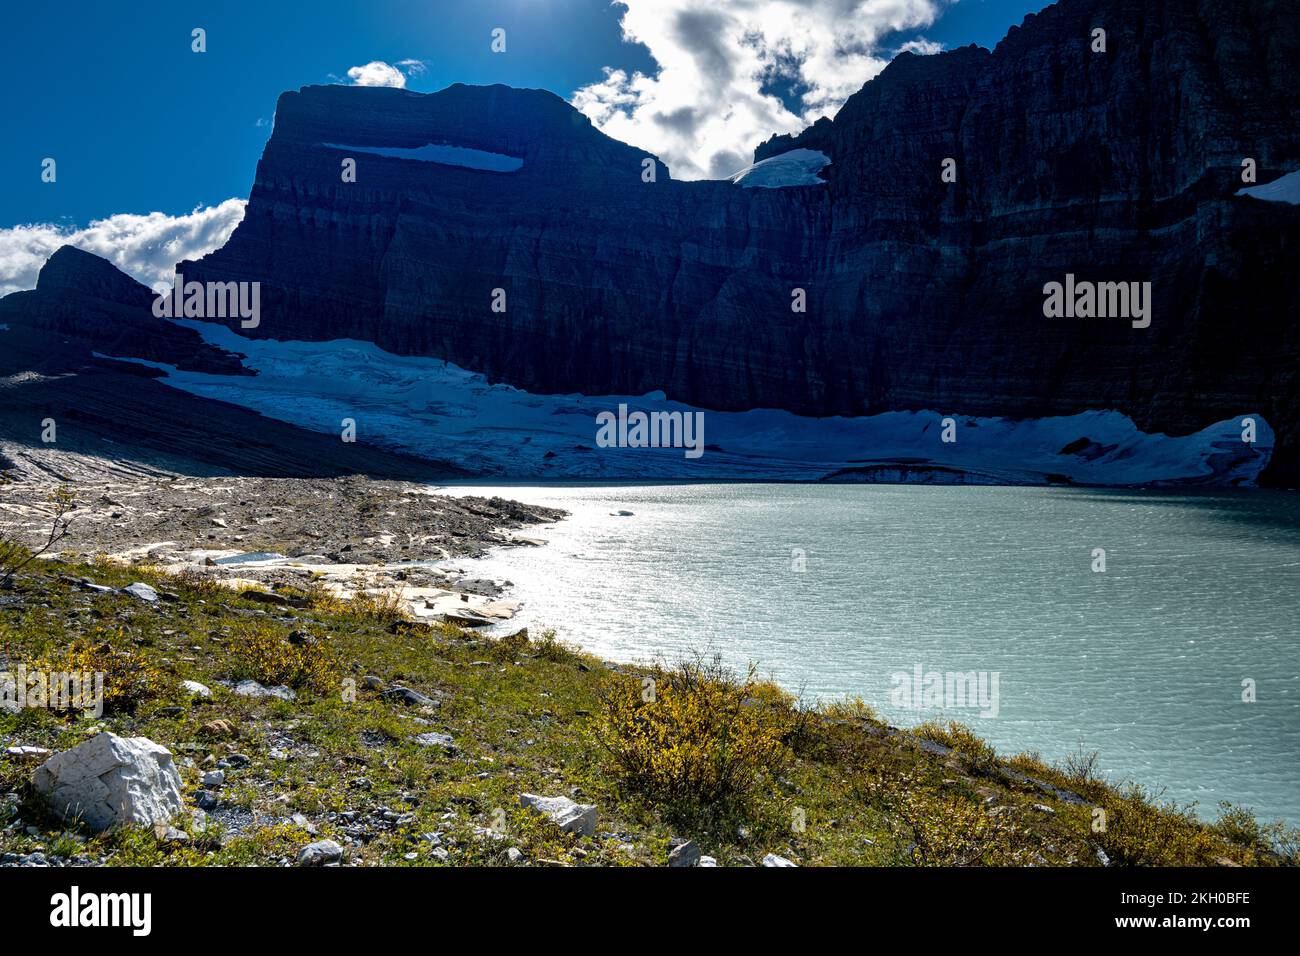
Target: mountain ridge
1109	167
921	294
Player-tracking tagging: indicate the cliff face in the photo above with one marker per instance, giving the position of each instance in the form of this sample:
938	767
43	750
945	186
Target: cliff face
1117	167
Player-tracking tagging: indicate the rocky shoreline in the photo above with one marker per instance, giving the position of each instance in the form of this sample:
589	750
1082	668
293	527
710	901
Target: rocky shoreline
247	717
349	536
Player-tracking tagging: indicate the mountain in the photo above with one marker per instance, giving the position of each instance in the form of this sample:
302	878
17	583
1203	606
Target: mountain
1122	166
89	305
115	418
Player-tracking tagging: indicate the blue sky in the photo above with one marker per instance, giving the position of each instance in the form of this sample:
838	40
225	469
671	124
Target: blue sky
138	122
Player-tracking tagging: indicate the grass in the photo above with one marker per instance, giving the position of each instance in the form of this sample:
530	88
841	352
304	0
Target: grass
722	758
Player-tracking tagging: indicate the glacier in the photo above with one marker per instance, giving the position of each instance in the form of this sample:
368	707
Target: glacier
437	410
798	167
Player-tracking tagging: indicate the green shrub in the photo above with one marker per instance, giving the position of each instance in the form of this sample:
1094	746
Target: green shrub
1141	830
261	652
961	739
696	739
849	709
1080	767
935	828
551	648
130	678
511	646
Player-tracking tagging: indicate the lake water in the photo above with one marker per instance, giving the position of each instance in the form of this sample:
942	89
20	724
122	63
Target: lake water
834	589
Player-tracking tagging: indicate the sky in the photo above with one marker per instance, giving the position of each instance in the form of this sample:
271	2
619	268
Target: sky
155	145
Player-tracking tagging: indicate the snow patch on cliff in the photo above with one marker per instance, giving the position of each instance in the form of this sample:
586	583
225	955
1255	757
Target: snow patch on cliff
798	167
442	154
1284	189
428	407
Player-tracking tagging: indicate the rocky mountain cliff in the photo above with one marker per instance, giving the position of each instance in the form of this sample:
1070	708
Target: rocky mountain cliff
83	304
1115	166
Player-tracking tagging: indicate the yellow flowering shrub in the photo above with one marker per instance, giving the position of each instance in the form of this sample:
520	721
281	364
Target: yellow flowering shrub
261	652
129	677
695	737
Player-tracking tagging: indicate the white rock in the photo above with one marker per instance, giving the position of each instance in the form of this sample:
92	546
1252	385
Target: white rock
773	860
110	781
685	854
196	689
214	778
707	861
143	591
251	688
564	813
320	853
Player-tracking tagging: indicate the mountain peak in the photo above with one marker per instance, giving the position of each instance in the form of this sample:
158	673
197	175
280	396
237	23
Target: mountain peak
75	270
533	125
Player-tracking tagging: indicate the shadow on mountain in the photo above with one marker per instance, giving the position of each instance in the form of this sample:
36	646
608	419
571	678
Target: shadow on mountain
53	342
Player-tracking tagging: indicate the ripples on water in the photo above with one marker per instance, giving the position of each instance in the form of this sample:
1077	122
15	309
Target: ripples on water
1143	663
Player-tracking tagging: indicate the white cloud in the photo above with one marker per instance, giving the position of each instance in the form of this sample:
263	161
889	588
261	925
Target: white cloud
921	46
414	67
377	73
146	247
709	104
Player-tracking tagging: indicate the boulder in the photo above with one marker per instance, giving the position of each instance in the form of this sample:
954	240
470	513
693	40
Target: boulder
466	619
412	697
320	853
773	860
251	688
432	739
111	781
142	591
275	600
571	817
685	854
195	689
